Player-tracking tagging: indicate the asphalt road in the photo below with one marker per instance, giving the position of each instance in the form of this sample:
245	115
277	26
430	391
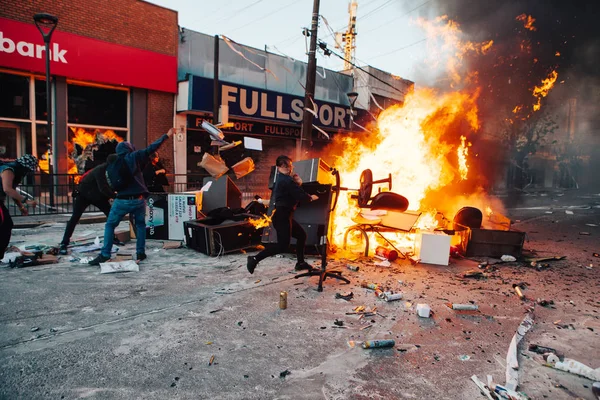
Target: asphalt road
67	331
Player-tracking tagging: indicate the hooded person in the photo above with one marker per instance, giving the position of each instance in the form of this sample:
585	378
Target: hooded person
12	174
130	199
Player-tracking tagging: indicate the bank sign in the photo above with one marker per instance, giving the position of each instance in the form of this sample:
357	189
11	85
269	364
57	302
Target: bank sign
266	105
83	58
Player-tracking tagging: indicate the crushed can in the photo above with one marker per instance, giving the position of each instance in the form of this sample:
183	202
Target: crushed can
390	255
282	300
354	268
367	285
393	296
372	344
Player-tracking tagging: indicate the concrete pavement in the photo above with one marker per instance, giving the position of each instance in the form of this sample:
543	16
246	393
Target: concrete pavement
67	331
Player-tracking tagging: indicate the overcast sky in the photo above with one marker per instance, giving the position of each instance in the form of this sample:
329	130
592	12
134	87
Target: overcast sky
387	39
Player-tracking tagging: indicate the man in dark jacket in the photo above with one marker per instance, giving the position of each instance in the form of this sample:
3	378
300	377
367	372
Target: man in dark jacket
11	175
155	175
287	193
132	199
93	189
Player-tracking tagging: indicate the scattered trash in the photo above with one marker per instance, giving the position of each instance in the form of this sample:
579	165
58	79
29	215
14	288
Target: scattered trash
337	322
371	344
85	260
345	296
545	303
388	254
473	274
596	389
569	212
414	260
282	300
172	245
536	348
596	255
463	307
584	233
122	266
34	329
508	258
572	366
464	357
285	373
352	267
372	286
423	310
366	327
383	263
591	224
482	387
10	257
212	360
512	362
392	296
519	292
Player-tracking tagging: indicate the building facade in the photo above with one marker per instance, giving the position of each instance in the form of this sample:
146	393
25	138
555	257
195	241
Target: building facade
114	77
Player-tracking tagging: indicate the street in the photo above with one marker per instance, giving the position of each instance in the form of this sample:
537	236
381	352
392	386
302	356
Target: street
67	331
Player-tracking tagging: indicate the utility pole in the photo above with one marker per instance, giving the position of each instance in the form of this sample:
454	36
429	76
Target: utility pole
216	92
311	72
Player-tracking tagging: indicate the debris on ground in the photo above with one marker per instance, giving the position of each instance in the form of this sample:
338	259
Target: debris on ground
172	245
512	362
371	344
423	310
572	366
463	307
121	266
508	258
536	348
344	296
285	373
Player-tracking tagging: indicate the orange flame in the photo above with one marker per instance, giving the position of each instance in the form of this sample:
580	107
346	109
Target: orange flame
462	152
542	91
263	222
527	20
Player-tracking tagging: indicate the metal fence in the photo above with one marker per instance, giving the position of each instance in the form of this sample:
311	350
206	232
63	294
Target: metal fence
54	193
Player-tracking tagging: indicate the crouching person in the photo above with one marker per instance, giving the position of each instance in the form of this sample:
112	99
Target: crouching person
124	175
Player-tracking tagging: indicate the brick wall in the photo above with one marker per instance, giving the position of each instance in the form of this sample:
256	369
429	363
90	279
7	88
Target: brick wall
160	120
127	22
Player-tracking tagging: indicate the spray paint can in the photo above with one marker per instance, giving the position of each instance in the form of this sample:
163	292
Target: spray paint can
282	300
371	344
393	297
390	255
372	286
354	268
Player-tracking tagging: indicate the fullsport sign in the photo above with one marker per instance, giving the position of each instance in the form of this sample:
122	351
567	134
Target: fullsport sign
79	57
248	102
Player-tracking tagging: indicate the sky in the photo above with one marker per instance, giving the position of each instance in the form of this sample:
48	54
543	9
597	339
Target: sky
387	37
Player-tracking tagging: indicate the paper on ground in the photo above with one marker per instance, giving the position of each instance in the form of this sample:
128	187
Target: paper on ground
122	266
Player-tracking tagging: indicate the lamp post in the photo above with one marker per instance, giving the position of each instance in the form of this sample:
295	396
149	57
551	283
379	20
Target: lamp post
46	23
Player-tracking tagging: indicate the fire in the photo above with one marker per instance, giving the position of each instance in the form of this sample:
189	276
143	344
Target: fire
462	152
527	20
542	91
261	222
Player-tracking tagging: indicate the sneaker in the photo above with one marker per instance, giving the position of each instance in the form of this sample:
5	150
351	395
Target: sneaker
140	257
62	250
252	263
98	260
302	266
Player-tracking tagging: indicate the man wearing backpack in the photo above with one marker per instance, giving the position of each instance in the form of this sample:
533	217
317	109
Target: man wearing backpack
125	177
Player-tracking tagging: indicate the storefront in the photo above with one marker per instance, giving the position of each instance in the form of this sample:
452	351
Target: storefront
102	90
271	116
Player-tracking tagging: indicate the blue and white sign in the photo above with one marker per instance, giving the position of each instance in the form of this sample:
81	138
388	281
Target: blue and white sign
248	102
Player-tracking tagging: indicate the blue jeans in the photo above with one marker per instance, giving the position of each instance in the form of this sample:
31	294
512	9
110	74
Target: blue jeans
137	208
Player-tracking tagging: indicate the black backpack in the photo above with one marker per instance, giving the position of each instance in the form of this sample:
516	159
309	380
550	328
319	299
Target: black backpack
118	174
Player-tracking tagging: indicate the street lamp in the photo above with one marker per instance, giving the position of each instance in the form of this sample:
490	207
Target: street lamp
46	23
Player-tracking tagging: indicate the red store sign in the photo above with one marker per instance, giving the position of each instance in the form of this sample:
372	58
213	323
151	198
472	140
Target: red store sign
78	57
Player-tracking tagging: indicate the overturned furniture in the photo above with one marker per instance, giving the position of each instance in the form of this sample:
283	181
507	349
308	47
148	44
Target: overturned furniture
394	217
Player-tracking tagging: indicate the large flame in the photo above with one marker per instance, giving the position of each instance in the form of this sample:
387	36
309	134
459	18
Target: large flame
527	21
542	91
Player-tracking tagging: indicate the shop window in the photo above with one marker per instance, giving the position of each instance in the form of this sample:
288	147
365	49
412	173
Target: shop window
14	96
97	106
40	100
87	148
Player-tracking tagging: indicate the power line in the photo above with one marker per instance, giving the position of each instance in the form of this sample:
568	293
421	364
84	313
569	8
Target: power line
374	10
265	16
395	18
236	12
401	48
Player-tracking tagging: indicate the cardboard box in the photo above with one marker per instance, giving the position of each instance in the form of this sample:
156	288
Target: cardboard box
433	248
166	213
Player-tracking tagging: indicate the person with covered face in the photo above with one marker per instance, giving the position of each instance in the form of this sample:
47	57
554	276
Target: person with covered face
132	199
287	193
12	174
